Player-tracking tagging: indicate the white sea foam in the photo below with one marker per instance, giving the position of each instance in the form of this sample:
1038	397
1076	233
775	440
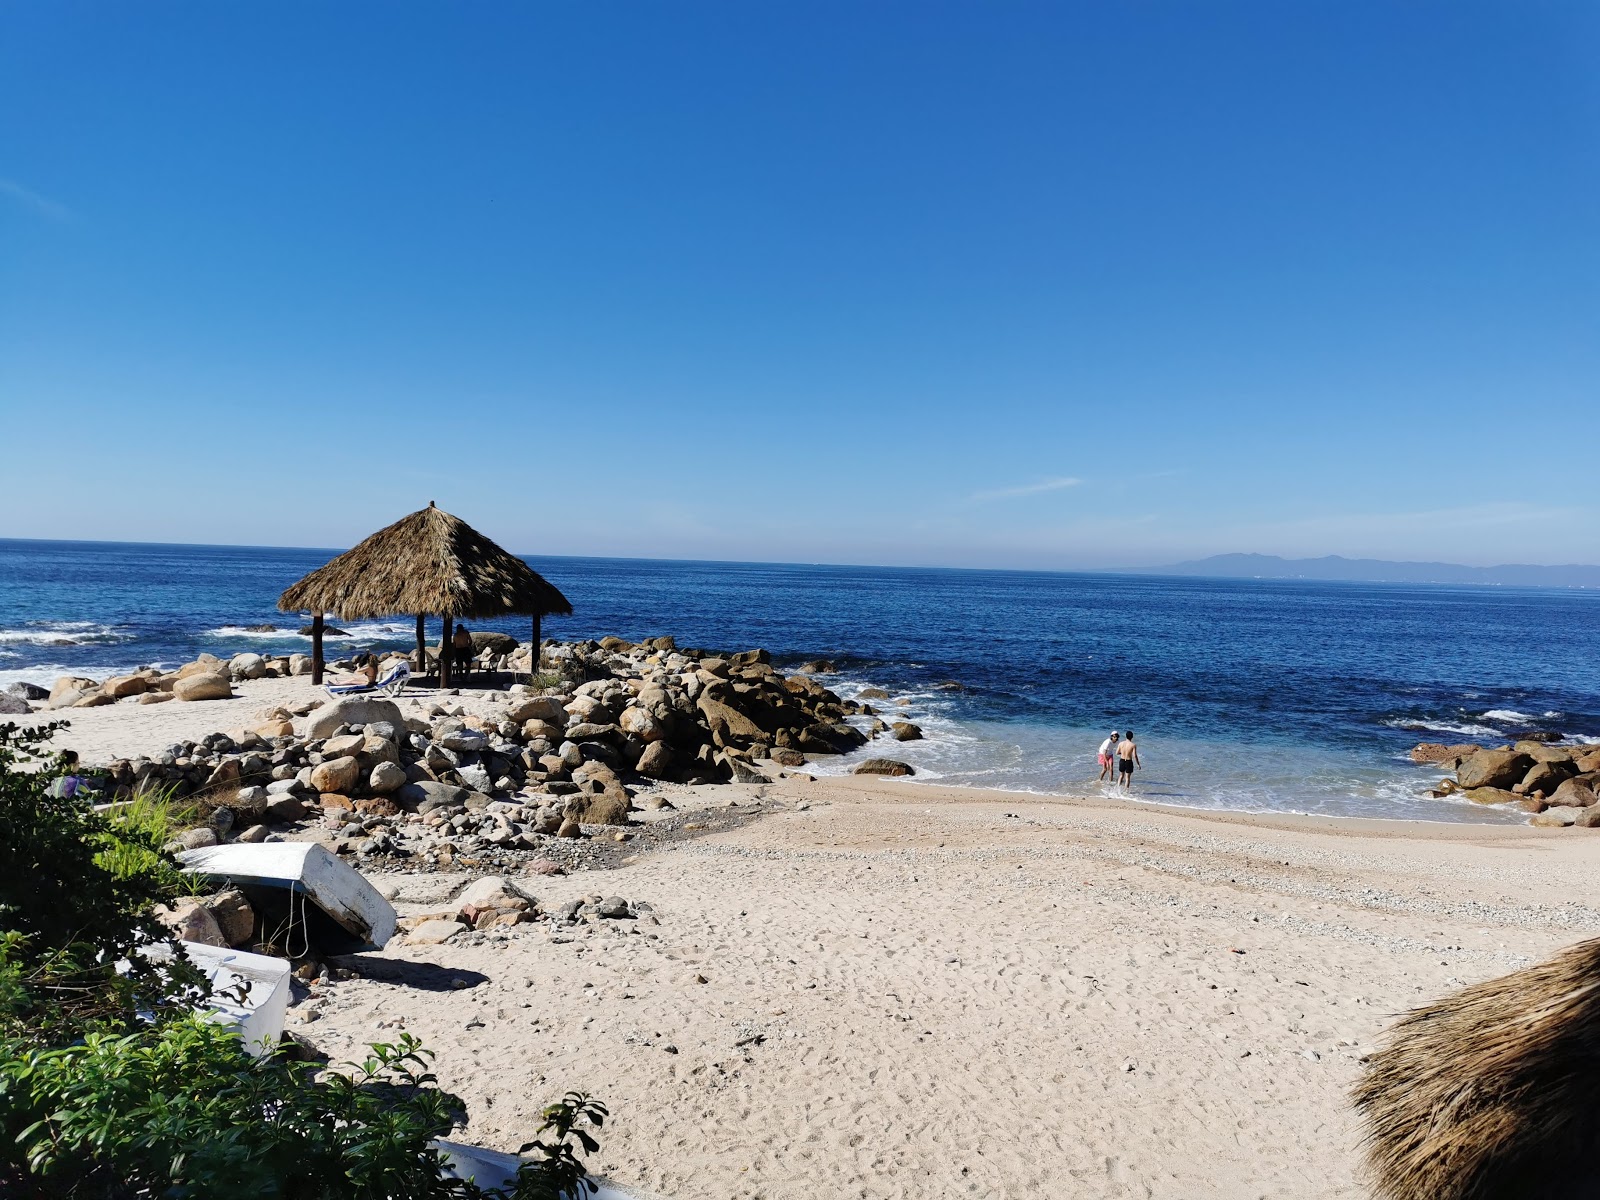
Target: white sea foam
1506	714
360	631
62	633
1429	726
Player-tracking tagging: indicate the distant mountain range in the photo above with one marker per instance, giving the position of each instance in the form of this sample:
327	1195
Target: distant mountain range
1373	570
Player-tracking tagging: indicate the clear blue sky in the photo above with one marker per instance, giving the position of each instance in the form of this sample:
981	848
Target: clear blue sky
984	284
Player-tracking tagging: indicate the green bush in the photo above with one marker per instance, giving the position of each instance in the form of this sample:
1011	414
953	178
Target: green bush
112	1088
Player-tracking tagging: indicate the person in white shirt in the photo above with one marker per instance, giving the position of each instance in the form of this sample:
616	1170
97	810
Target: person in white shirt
1108	760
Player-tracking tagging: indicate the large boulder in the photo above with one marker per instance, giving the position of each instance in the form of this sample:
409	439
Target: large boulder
203	686
119	686
1493	768
728	724
655	762
1432	752
247	666
1573	793
27	691
642	725
1546	777
905	731
206	664
349	710
336	775
883	766
13	706
496	643
1488	795
1555	817
538	708
425	795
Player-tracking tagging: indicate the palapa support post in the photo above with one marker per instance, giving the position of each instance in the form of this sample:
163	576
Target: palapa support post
533	652
445	649
422	645
316	649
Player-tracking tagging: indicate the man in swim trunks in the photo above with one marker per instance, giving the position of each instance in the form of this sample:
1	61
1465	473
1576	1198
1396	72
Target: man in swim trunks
1107	759
1127	758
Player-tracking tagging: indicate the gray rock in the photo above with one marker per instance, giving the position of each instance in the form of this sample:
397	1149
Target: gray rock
426	795
28	691
13	705
387	777
613	908
883	766
324	722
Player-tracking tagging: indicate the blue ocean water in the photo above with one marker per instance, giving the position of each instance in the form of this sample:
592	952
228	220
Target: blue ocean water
1246	694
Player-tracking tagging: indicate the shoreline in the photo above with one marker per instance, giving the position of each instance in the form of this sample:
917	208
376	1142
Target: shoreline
834	981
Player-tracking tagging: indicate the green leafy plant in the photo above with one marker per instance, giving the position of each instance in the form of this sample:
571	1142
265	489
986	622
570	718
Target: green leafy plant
113	1087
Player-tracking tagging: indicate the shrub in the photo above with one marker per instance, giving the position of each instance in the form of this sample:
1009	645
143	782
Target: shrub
112	1087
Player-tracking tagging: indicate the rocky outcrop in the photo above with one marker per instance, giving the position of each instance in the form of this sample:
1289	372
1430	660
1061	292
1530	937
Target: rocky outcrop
1556	783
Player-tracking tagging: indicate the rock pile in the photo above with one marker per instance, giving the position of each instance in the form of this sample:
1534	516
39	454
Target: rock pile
1558	784
207	678
439	782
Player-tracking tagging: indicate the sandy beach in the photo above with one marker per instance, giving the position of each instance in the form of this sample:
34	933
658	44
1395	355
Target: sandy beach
882	988
920	991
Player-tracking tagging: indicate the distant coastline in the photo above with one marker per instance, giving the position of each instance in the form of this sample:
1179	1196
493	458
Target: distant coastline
1333	567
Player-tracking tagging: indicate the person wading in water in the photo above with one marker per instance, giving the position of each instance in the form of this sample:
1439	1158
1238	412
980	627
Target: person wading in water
1108	759
1127	759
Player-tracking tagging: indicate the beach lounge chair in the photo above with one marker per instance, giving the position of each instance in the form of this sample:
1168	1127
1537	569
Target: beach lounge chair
393	683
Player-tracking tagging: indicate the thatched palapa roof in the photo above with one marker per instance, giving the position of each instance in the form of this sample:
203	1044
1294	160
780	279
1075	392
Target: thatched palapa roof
1492	1093
428	563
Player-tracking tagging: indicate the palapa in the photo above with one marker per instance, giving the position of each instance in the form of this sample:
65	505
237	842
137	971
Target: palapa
427	564
1491	1093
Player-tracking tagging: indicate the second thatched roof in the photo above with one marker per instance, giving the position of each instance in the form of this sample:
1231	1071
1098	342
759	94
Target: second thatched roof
431	563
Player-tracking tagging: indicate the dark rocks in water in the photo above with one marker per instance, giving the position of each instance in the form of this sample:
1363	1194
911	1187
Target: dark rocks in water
327	631
949	685
261	629
819	666
1538	735
883	766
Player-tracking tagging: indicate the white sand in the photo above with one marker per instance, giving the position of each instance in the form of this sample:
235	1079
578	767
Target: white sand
956	1001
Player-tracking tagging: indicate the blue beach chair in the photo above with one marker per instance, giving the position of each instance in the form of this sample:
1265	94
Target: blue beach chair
393	683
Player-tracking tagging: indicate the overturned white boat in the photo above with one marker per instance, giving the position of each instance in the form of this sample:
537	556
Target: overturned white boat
306	897
249	992
494	1170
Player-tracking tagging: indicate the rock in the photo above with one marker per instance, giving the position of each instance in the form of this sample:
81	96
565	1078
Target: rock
349	710
610	807
785	757
905	731
194	839
27	691
247	803
613	908
656	761
275	728
13	705
192	921
882	766
285	808
1489	795
339	747
642	725
872	693
386	777
94	700
496	892
336	775
206	664
247	666
570	828
1574	793
327	631
208	686
538	708
1559	816
742	772
119	686
1493	768
432	933
234	916
300	664
425	795
155	697
1588	818
728	724
1432	752
65	699
1547	776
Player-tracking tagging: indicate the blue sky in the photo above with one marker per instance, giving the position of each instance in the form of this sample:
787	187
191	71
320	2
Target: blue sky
1048	285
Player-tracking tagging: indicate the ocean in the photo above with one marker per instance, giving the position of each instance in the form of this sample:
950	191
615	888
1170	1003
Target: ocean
1255	695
